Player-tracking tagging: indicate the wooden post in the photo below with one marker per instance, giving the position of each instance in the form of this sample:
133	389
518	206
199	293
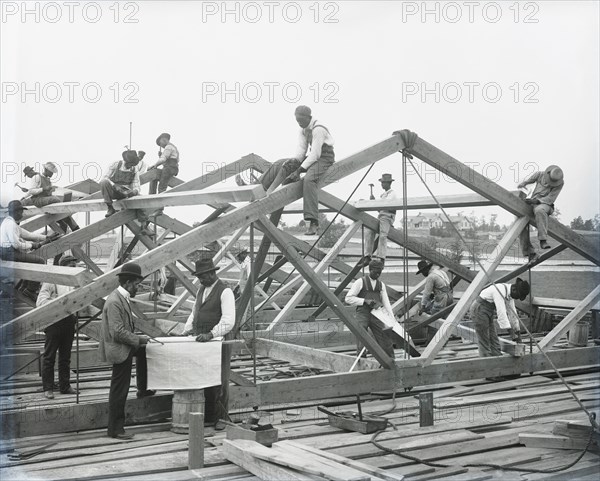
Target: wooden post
196	444
426	409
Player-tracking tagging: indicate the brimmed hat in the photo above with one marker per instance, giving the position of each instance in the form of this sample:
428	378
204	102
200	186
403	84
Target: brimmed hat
131	269
303	110
51	166
240	250
130	156
522	289
14	206
165	135
553	176
203	266
423	266
386	178
64	260
376	264
28	169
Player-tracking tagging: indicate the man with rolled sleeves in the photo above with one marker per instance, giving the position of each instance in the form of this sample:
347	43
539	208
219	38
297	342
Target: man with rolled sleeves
368	293
437	292
212	317
314	164
548	185
119	345
169	160
386	221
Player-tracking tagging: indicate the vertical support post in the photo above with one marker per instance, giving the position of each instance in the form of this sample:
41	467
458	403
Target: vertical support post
595	324
196	444
426	409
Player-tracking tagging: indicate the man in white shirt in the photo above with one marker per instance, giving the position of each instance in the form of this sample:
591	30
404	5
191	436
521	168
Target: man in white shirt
386	221
368	293
437	292
17	243
168	158
497	299
314	164
59	337
212	317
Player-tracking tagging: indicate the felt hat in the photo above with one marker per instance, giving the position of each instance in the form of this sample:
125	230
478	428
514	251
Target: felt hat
165	135
131	269
240	250
522	288
130	156
303	110
51	166
553	176
376	264
423	266
15	206
64	260
28	169
203	266
386	178
141	154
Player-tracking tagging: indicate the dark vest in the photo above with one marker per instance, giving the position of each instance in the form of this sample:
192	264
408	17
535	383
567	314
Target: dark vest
45	182
208	314
367	292
326	150
123	177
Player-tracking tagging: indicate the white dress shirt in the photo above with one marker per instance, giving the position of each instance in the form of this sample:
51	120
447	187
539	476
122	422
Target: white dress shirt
353	299
227	313
12	235
506	317
49	292
320	136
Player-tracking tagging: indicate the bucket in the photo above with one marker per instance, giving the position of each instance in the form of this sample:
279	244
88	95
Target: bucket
184	403
578	336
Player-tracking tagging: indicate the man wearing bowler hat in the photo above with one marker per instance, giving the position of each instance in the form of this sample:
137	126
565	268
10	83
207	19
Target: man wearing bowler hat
212	317
386	221
40	192
168	157
497	299
548	185
119	345
437	292
314	164
59	337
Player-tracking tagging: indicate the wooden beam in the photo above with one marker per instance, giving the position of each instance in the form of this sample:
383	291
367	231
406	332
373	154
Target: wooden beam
499	195
319	269
65	276
462	306
570	320
334	303
24	325
307	356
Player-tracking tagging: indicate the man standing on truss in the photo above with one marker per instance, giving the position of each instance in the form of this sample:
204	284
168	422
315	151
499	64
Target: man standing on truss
386	221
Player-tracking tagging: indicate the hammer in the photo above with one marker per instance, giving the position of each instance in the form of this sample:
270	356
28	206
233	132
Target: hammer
372	197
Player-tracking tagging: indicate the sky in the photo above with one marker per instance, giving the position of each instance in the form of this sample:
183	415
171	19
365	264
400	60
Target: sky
506	87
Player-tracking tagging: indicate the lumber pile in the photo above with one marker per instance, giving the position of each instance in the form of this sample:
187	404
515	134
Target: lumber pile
295	461
566	434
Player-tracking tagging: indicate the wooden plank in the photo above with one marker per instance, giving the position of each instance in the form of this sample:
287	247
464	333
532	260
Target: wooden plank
462	306
552	441
570	320
555	303
286	312
65	276
334	303
483	186
263	469
306	356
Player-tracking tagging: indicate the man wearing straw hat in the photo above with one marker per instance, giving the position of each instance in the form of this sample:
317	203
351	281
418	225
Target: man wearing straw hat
212	317
119	345
548	185
40	192
386	221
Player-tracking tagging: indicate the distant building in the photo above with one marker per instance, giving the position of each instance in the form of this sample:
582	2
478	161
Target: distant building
459	221
424	222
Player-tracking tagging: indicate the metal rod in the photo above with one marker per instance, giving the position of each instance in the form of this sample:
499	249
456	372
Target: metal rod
77	360
253	319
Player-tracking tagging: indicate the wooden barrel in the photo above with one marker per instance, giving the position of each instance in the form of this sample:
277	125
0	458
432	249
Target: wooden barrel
184	403
578	336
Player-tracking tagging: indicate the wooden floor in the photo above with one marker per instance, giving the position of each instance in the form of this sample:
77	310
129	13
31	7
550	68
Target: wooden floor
475	422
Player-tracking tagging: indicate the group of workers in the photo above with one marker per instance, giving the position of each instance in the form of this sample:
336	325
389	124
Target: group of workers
213	315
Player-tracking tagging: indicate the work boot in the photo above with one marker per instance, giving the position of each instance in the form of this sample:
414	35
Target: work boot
533	257
365	261
544	244
146	393
48	394
314	227
110	211
70	390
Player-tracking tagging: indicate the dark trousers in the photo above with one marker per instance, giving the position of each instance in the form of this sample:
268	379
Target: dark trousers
311	191
482	314
44	200
167	172
277	173
367	320
11	254
216	398
59	337
119	388
110	193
